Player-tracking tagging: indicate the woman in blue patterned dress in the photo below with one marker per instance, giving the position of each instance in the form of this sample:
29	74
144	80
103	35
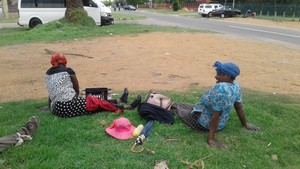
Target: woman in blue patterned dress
63	90
212	112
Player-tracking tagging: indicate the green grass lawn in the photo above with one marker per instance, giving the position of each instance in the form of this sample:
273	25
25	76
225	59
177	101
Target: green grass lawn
185	13
81	142
57	31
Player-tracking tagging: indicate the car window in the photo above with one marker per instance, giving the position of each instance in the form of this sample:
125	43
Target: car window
208	6
101	4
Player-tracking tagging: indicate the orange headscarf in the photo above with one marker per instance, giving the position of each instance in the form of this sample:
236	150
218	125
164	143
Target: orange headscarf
58	58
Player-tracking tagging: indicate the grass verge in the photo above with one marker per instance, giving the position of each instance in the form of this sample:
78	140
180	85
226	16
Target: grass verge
81	142
119	16
58	30
185	13
278	19
194	14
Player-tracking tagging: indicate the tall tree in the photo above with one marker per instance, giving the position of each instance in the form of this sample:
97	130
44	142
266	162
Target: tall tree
72	6
5	8
76	14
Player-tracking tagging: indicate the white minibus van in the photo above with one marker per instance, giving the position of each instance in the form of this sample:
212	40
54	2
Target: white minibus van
34	12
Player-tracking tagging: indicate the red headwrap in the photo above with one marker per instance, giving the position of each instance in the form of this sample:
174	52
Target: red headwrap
58	58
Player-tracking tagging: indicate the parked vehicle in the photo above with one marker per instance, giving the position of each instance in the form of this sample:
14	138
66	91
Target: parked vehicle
32	13
106	16
129	8
226	12
205	9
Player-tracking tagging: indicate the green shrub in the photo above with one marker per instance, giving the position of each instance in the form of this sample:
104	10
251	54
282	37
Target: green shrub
175	5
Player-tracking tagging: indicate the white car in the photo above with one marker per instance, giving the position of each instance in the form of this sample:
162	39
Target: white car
205	9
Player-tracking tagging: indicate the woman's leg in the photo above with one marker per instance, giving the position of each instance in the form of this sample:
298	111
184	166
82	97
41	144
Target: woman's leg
131	106
114	101
183	110
124	96
75	107
122	99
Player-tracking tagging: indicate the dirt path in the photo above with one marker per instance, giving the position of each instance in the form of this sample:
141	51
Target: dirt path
161	61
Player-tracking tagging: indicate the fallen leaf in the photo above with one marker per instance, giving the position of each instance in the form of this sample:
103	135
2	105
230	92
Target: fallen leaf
274	157
151	151
2	162
103	123
161	165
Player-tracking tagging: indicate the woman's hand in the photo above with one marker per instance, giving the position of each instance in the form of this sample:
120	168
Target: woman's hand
252	127
215	144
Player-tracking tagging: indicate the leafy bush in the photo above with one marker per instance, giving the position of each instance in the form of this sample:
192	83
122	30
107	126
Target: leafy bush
175	5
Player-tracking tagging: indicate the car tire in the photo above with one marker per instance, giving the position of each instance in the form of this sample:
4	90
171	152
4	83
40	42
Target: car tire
203	15
209	15
34	22
222	15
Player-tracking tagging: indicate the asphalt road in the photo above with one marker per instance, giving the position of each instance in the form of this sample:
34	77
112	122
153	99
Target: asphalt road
272	35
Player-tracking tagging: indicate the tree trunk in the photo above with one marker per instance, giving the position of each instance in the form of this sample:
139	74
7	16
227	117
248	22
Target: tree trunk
5	9
72	5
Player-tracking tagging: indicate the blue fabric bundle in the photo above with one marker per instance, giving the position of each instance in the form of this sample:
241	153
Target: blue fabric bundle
228	68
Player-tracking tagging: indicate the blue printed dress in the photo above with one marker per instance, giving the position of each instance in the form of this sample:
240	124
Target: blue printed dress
220	97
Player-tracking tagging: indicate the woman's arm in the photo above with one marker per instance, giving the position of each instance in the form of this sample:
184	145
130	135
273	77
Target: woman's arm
75	83
238	106
214	122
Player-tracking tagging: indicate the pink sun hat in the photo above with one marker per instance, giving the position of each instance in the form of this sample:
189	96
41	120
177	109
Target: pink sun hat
121	129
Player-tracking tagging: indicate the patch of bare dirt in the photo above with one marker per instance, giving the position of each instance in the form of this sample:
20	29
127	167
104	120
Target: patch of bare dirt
160	61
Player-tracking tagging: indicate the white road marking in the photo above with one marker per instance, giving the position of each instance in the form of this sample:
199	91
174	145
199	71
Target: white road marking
257	30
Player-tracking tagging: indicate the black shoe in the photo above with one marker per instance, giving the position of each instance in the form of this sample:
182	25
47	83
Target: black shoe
136	102
124	97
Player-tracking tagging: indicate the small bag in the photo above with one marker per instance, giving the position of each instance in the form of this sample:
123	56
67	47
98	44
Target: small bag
159	100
